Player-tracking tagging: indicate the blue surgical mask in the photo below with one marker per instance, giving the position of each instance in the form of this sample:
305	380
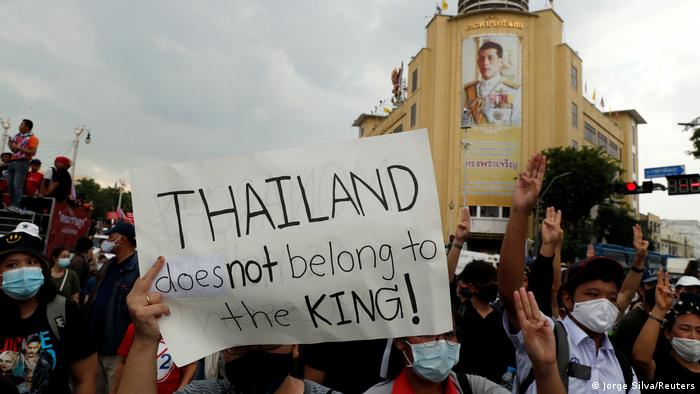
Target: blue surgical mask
108	246
22	283
64	262
433	361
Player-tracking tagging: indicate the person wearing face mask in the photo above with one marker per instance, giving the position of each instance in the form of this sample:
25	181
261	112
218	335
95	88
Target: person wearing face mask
479	324
65	280
593	294
680	324
255	369
423	364
47	333
107	310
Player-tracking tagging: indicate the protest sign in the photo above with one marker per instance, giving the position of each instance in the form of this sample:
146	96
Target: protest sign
333	242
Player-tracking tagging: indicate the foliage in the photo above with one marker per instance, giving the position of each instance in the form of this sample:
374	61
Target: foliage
105	199
695	139
590	183
614	225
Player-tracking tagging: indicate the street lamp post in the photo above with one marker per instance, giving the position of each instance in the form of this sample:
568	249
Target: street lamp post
5	125
79	130
537	208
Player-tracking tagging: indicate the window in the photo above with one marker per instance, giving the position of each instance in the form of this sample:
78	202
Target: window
612	150
414	80
574	115
589	133
472	211
490	212
398	129
505	213
634	135
574	77
574	144
634	164
602	142
413	115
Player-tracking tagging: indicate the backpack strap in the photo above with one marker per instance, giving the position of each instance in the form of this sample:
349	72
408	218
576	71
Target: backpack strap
562	341
56	315
464	384
626	367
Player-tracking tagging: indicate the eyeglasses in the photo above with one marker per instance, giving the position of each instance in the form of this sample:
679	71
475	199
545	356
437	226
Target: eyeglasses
449	335
240	350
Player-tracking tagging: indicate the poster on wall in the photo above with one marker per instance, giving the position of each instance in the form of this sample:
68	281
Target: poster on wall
491	117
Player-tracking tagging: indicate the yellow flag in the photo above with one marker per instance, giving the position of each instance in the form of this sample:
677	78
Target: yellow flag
387	110
594	96
444	5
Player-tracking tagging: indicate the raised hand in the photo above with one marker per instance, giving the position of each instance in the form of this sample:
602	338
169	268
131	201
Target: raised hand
591	251
640	244
551	227
145	307
538	335
529	183
463	227
664	295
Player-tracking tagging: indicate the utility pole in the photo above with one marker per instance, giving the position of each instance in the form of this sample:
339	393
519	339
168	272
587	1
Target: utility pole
5	125
79	130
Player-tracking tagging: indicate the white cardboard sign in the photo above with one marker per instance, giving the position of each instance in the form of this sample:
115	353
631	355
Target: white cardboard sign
332	242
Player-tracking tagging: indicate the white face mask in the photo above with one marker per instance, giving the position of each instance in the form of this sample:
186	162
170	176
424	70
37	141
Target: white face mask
597	315
108	246
688	349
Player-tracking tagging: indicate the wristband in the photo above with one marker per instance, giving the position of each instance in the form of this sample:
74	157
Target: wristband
656	319
458	246
637	270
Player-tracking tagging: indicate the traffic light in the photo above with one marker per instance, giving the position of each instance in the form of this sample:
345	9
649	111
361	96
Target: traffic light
683	184
634	188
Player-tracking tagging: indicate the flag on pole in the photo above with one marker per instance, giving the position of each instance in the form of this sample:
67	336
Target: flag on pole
602	102
444	5
594	96
387	110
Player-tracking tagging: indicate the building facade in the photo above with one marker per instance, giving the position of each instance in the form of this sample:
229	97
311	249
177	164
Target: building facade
690	230
493	85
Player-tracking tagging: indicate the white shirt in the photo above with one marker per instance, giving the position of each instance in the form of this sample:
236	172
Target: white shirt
606	373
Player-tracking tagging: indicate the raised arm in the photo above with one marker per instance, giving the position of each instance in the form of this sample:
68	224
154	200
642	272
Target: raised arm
461	234
634	276
139	374
540	345
556	273
645	345
512	265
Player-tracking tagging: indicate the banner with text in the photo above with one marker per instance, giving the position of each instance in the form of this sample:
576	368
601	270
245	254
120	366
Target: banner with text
334	242
491	118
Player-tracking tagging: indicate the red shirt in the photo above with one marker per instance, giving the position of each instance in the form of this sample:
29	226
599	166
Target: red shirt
168	374
31	185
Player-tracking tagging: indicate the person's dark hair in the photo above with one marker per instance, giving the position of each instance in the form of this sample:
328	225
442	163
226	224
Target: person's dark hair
691	269
55	252
35	162
478	272
3	154
33	338
688	303
83	245
29	123
492	45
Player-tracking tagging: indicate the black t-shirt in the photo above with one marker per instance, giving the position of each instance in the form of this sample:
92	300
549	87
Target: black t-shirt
32	357
668	371
350	367
540	283
486	349
65	183
627	330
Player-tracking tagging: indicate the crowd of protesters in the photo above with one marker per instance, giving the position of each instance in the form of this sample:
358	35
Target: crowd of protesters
84	320
21	177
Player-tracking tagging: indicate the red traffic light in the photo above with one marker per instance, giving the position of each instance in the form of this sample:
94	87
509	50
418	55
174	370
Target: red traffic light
631	186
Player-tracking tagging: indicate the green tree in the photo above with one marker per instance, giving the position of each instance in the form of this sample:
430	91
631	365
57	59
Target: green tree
614	224
104	199
590	182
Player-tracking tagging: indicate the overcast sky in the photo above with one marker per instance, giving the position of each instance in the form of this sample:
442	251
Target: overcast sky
172	81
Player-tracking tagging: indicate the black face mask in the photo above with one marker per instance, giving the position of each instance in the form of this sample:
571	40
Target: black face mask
258	372
487	293
466	293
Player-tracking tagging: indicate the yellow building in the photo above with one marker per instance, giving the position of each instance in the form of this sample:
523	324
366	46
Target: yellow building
493	85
